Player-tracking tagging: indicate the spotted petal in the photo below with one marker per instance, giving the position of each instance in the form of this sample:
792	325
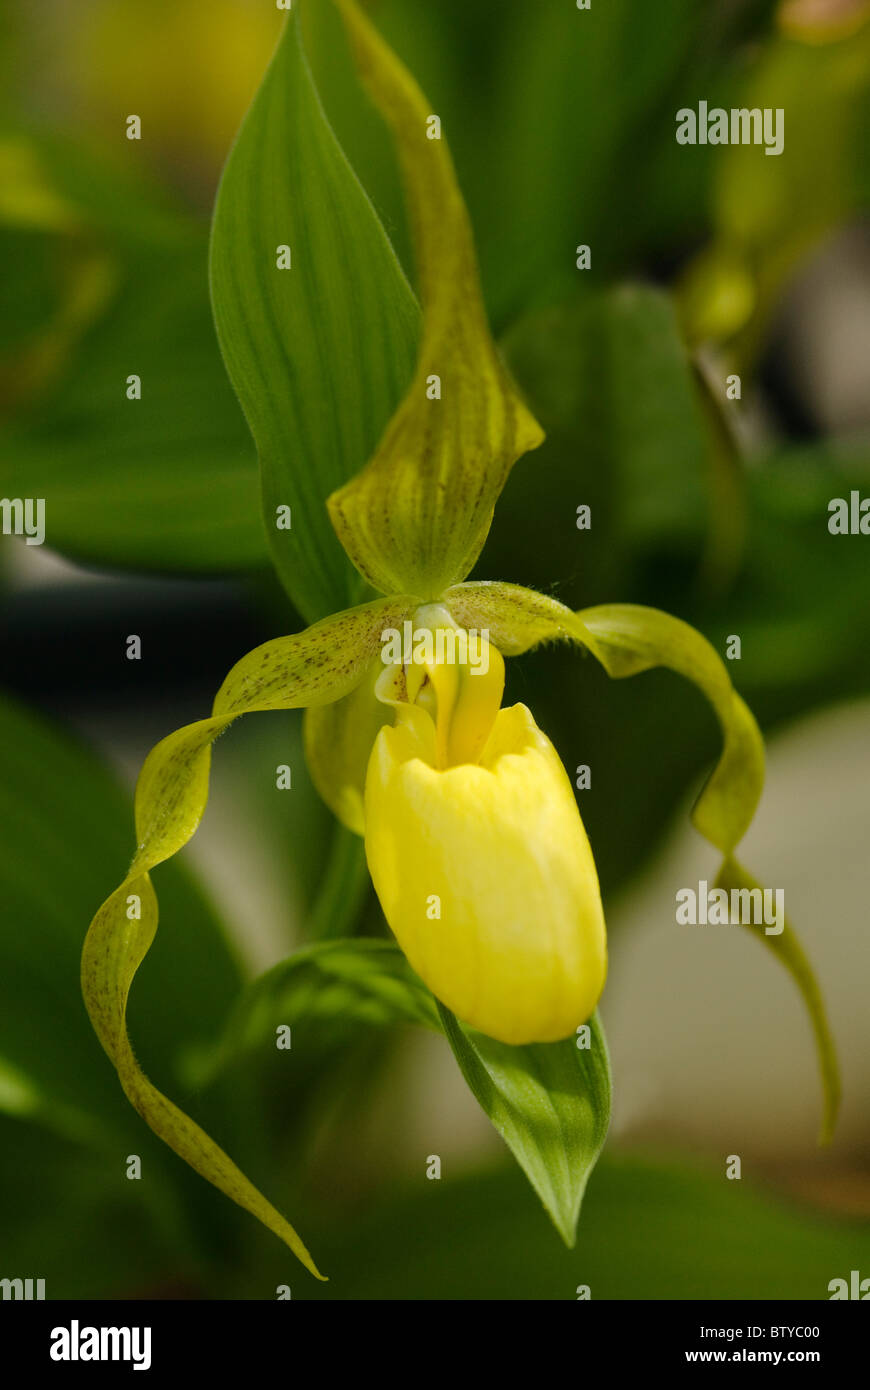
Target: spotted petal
313	667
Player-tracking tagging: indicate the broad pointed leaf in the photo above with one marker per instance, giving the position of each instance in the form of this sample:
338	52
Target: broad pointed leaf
550	1102
319	351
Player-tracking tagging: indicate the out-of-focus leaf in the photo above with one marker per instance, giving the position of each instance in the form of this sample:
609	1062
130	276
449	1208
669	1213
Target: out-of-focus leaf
29	296
64	827
363	982
58	280
802	605
566	126
165	482
550	1102
190	110
70	1216
113	284
609	379
537	126
292	829
769	213
51	181
320	352
656	437
650	1231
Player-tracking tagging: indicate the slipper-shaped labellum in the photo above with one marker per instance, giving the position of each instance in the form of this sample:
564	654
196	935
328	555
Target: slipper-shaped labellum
478	853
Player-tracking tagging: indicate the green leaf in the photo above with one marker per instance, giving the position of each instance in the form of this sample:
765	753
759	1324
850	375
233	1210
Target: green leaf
103	282
359	982
68	1211
655	426
550	1102
803	602
564	128
608	376
651	1230
165	482
53	181
320	353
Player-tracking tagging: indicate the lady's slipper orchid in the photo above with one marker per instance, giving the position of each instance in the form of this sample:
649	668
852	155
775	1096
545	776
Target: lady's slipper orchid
472	833
479	857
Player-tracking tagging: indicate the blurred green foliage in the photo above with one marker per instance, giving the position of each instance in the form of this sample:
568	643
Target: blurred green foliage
649	1231
116	285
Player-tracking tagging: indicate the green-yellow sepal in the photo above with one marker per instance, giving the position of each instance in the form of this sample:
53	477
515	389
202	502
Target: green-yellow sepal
415	519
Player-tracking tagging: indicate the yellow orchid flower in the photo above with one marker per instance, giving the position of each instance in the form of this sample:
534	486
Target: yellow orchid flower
478	854
472	833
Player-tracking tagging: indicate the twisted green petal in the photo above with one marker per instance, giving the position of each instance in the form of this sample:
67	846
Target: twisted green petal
313	667
628	639
789	952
